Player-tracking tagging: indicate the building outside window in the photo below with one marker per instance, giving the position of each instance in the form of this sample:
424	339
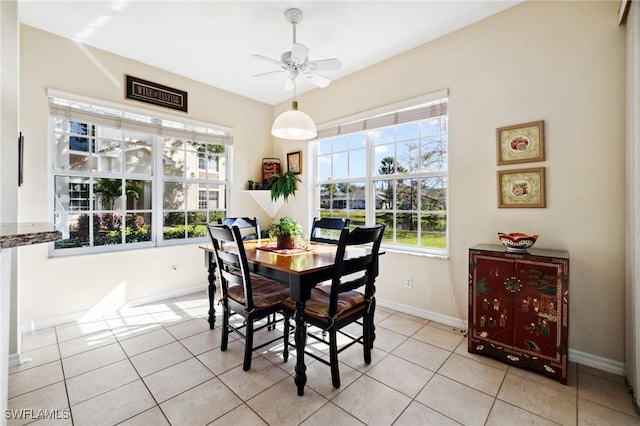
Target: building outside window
186	183
118	183
389	169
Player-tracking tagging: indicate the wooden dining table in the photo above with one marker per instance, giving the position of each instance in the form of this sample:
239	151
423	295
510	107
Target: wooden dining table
302	270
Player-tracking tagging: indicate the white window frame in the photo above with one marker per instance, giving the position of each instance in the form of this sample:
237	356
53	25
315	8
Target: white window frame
176	126
358	122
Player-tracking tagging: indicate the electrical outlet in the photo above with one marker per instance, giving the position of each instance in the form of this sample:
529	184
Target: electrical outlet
408	282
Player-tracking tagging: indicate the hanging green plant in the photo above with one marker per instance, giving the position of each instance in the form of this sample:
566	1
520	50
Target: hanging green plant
283	185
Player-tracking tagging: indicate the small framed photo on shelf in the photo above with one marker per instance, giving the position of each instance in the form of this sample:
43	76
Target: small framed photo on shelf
521	143
521	188
294	162
270	166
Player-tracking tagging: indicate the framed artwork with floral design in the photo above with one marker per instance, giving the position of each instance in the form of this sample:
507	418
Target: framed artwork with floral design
521	188
521	143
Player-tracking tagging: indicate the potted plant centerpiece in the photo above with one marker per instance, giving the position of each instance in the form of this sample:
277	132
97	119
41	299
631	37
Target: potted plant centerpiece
287	232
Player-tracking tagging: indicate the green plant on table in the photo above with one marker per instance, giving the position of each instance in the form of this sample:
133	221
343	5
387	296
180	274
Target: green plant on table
286	228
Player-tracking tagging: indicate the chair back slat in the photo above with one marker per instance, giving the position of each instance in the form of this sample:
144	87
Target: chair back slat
327	229
249	227
353	273
353	284
231	278
363	236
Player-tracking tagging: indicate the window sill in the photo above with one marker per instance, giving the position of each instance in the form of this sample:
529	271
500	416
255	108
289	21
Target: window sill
398	250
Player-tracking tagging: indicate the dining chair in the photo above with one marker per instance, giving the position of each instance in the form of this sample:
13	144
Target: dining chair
327	229
249	227
349	298
249	295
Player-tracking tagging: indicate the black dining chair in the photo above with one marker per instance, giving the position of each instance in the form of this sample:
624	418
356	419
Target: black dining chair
327	229
249	227
349	298
249	295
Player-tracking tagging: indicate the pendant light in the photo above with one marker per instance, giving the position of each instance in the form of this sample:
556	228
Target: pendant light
294	124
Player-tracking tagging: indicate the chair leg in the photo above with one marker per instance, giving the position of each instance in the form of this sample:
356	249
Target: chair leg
225	328
285	352
372	311
333	357
248	344
270	321
367	337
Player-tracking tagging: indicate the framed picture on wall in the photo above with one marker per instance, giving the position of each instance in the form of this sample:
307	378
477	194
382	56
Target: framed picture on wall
270	166
521	143
521	188
294	162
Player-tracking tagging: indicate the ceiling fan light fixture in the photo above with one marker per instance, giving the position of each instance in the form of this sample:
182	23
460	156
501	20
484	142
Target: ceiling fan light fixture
294	125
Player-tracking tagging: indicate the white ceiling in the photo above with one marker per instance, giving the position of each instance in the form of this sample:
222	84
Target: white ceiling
212	41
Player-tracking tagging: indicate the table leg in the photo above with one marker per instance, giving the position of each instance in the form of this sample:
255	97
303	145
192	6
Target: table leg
301	340
211	267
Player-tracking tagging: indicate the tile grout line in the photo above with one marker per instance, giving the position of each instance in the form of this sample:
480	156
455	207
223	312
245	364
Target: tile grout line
289	376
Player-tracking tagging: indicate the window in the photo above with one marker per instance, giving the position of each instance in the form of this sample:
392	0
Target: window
207	199
208	164
123	179
390	169
187	184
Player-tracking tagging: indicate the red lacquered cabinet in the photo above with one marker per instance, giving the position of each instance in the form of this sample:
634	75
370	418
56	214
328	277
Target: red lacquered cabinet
519	307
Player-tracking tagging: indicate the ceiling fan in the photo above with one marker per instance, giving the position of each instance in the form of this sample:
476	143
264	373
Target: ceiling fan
295	62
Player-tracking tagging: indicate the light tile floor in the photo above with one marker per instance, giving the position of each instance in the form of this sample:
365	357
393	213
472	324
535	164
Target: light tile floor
160	364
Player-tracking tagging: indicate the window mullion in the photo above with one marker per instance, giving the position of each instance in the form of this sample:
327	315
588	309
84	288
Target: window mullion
158	184
370	213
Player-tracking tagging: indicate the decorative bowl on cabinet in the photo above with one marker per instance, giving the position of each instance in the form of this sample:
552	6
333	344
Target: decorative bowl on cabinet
517	242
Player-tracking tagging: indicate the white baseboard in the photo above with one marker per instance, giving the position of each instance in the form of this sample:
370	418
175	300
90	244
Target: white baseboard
68	318
576	356
14	360
598	362
422	313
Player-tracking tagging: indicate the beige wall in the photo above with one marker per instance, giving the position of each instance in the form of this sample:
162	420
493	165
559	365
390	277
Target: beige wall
60	286
561	62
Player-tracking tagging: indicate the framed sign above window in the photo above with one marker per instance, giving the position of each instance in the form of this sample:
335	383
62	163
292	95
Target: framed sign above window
156	94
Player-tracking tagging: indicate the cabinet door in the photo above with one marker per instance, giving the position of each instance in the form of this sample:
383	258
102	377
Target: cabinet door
493	304
537	303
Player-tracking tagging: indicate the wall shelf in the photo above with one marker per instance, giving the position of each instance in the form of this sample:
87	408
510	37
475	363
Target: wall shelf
263	197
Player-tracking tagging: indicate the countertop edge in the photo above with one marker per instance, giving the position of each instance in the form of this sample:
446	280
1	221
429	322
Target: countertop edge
23	234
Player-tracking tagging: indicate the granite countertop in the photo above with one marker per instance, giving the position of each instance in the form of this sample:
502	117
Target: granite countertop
27	233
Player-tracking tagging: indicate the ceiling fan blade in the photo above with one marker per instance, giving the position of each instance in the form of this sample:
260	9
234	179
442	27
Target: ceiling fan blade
262	74
317	79
299	53
264	58
325	65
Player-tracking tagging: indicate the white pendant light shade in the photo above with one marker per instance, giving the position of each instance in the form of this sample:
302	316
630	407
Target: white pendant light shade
294	125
